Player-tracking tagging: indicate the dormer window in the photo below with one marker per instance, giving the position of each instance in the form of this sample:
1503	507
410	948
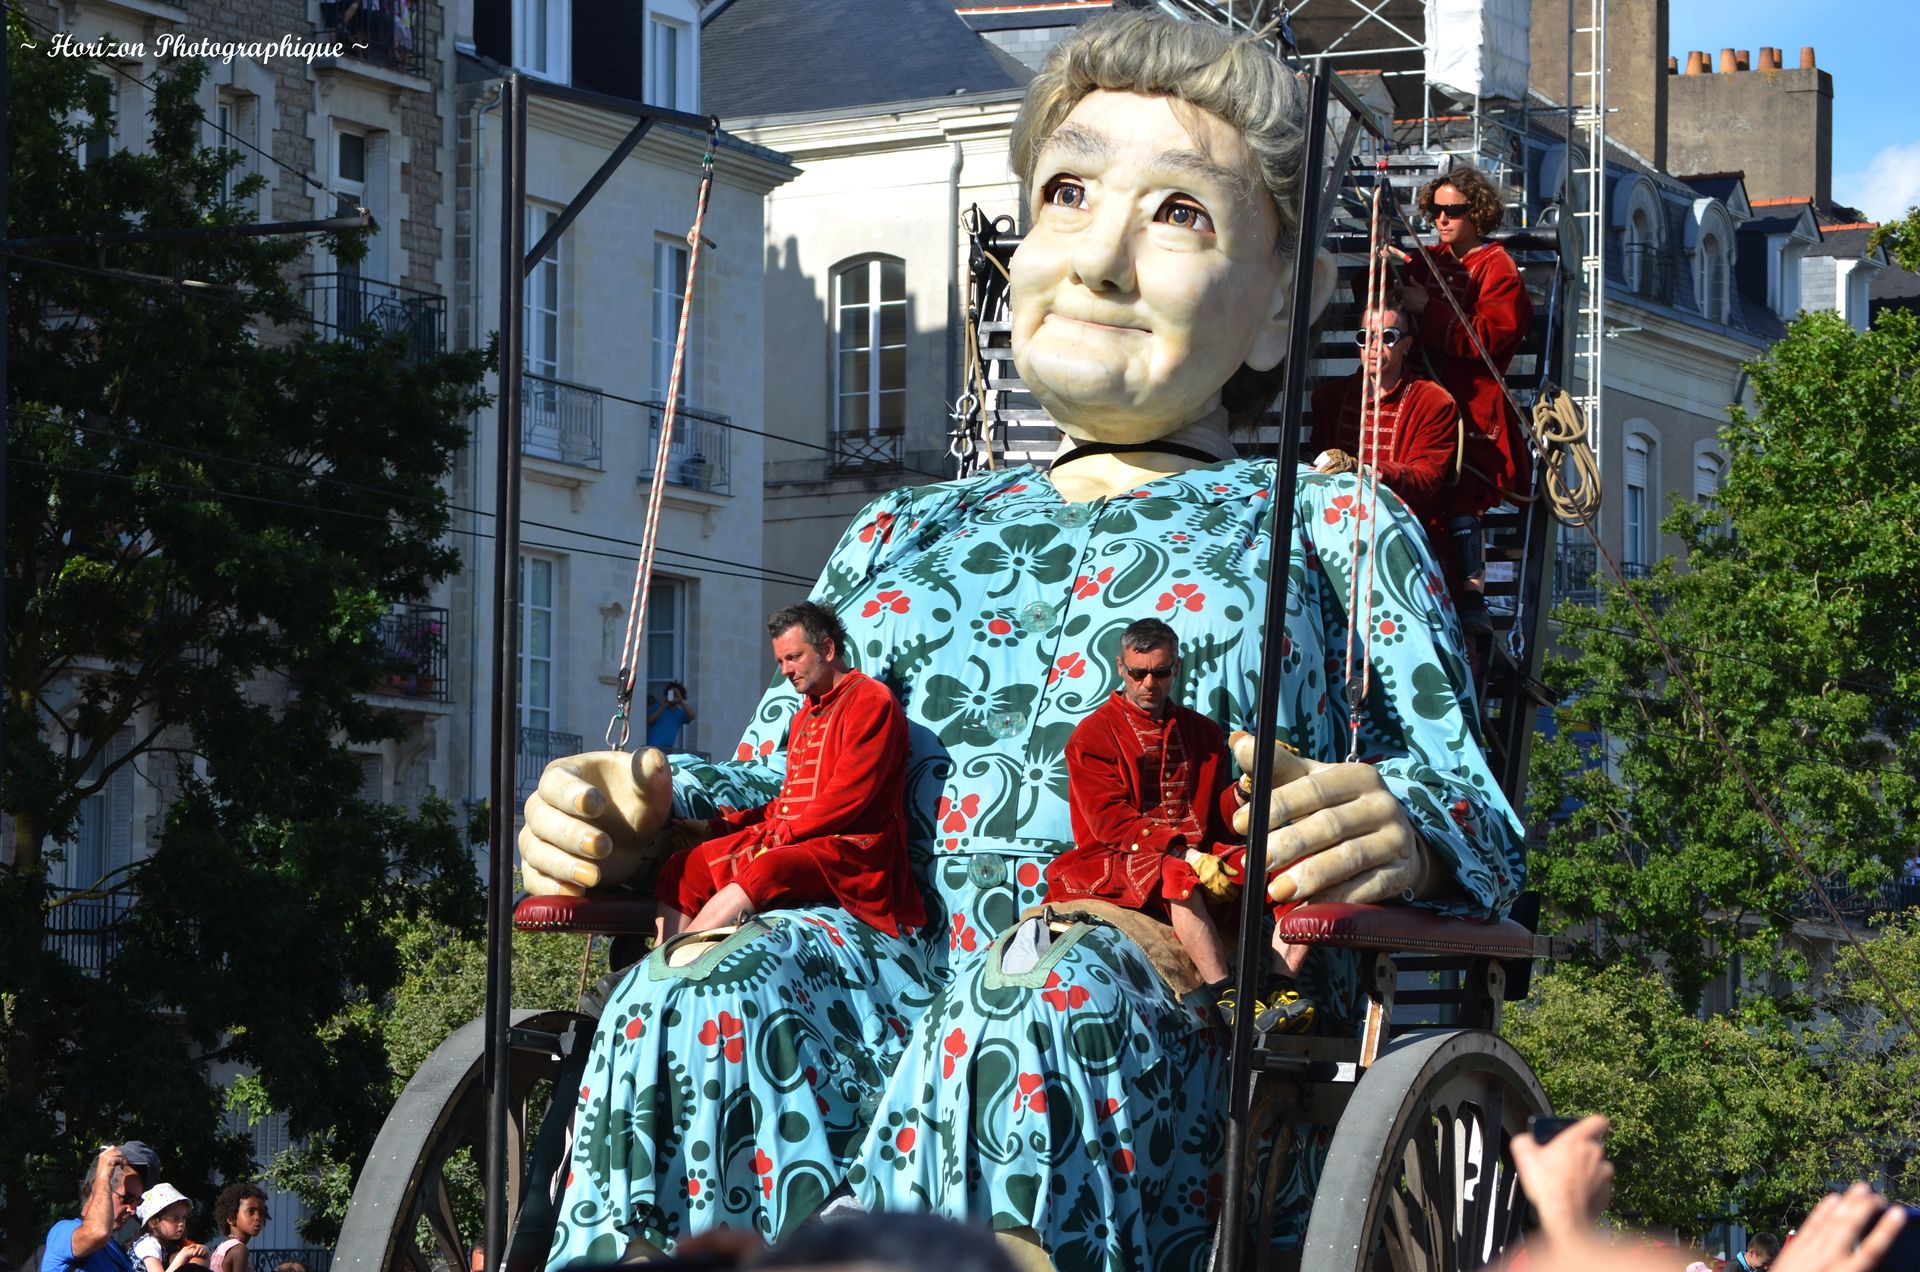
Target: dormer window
1711	276
673	55
542	37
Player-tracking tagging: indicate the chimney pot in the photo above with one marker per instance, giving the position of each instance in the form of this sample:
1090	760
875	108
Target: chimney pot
1806	57
1744	60
1696	63
1729	64
1673	66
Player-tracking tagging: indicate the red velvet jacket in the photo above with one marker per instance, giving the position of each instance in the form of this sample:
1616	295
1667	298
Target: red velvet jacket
838	832
1122	851
1417	428
1499	311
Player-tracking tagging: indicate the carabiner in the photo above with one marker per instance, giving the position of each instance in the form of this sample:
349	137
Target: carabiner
623	723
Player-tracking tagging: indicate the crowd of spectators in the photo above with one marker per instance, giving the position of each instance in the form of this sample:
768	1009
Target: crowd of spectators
132	1220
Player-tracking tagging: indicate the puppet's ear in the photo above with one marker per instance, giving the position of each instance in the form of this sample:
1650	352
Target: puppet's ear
1271	341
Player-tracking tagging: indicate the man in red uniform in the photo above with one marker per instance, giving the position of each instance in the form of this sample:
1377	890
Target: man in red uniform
1151	793
1464	207
838	832
1412	440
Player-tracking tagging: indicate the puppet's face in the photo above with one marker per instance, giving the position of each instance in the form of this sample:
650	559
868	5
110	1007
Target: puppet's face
1149	275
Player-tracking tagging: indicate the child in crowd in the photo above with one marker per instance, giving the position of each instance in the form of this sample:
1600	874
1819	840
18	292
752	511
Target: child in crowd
162	1245
240	1214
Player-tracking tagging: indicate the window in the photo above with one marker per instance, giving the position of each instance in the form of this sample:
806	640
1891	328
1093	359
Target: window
543	298
236	119
349	186
97	142
103	835
663	63
1708	469
671	66
1638	503
1713	278
541	34
870	347
667	636
669	288
536	642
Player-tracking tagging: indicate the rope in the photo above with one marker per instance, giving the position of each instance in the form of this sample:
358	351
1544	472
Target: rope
1559	433
1369	479
619	728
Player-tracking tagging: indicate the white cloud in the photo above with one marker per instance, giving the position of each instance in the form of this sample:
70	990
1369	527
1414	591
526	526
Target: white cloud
1889	186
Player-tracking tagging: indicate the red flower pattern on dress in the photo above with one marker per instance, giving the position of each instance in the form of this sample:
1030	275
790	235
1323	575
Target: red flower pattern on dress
954	815
1072	666
1010	490
1388	627
766	747
728	1032
693	1187
880	529
963	937
999	626
955	1047
633	1030
893	599
833	933
763	1167
1063	997
1090	584
1183	596
1345	506
1123	1161
1029	875
1031	1094
904	1140
1106	1108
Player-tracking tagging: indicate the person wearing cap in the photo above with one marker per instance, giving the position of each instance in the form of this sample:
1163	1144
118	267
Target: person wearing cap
162	1245
143	1161
110	1194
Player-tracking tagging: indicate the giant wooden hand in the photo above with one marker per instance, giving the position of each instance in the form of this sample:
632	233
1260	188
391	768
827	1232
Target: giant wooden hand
1336	833
594	819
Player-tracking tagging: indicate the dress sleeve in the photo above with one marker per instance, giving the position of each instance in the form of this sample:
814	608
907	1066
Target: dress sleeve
1420	728
1097	786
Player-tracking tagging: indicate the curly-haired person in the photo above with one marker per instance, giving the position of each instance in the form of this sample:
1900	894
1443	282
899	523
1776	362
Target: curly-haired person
1465	207
239	1216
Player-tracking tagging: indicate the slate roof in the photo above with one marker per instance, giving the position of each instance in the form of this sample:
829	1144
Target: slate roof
776	57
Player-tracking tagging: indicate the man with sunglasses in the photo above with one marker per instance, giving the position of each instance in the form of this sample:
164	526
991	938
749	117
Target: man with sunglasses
1151	794
110	1193
1410	442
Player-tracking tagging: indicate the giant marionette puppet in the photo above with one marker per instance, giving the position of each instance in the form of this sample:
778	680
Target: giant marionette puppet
1067	1096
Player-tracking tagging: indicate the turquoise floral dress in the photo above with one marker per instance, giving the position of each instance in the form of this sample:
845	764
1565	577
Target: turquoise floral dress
1079	1097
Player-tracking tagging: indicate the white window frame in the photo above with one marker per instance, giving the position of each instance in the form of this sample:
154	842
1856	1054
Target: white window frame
1714	278
669	606
671	260
341	188
552	19
83	150
104	827
1640	526
683	18
876	386
539	613
237	116
545	297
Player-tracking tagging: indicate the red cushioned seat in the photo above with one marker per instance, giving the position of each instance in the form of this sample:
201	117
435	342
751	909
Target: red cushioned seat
1399	927
611	915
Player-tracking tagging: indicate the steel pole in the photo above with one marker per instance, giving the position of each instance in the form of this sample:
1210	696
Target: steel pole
505	717
1253	952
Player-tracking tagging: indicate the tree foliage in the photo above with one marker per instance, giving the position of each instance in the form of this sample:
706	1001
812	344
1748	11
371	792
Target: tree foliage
209	507
1793	620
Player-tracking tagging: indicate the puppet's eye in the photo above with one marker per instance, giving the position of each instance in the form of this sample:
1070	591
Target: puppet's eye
1185	212
1064	192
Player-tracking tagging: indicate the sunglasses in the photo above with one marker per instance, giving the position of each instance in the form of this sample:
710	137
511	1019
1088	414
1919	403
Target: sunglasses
1449	209
1163	672
1387	336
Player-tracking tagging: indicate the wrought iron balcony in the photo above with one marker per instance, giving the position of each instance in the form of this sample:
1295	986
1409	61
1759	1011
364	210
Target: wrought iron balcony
1573	571
378	33
414	638
700	456
560	421
858	452
539	748
1858	906
87	932
351	307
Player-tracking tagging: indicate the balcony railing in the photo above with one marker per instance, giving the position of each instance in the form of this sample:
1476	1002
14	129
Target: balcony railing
700	456
539	748
1573	570
1859	907
560	421
379	34
414	638
351	307
87	933
854	452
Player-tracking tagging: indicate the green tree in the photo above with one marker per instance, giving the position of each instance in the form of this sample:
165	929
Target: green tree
1902	240
1793	620
208	510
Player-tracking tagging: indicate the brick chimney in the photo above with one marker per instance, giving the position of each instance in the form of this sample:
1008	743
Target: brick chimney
1773	124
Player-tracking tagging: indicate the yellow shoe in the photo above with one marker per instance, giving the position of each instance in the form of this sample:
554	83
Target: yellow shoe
1284	1012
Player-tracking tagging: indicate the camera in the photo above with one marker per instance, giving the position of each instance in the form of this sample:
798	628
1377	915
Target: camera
1904	1254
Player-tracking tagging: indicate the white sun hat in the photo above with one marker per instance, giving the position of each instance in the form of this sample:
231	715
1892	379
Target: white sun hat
159	1198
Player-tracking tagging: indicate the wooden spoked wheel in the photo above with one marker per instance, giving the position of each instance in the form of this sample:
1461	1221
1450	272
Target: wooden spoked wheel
1419	1176
418	1202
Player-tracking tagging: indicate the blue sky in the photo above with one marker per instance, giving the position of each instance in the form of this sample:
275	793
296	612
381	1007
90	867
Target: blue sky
1870	48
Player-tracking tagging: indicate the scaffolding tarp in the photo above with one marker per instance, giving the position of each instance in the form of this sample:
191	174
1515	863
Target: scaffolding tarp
1478	48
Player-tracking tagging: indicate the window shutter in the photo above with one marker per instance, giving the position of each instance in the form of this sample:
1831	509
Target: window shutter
1637	463
120	805
1706	478
380	204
